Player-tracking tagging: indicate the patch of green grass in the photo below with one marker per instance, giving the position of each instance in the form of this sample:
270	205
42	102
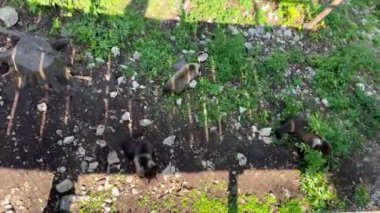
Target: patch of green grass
228	53
95	202
361	195
157	57
100	33
221	11
290	206
313	184
206	204
252	204
108	7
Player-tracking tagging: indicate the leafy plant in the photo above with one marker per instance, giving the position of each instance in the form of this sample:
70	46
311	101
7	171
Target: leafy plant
361	195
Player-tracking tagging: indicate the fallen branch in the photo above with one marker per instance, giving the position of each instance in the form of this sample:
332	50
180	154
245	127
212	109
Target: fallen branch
312	24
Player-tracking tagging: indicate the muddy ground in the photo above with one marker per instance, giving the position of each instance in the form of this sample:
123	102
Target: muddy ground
33	156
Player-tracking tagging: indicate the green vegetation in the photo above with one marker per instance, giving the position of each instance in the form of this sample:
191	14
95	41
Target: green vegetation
236	78
96	201
361	195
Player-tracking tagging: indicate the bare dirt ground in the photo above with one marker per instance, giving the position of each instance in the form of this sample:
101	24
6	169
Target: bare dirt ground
34	158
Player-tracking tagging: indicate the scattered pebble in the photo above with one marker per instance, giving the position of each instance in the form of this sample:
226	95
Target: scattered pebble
193	84
136	55
202	56
81	151
213	129
112	158
208	165
61	169
242	159
92	166
145	122
265	132
169	141
242	110
325	102
126	117
169	169
68	140
9	16
100	130
233	30
64	186
66	202
113	94
360	86
254	129
135	85
179	101
101	143
248	45
267	140
76	129
115	51
42	107
115	192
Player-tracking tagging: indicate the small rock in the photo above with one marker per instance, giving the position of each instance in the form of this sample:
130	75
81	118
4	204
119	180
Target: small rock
61	169
207	164
169	169
136	55
287	32
76	129
254	129
135	85
115	192
325	102
8	206
112	158
267	140
42	107
120	80
66	202
237	125
242	110
64	186
265	131
107	209
126	117
129	179
115	51
68	140
169	141
145	122
81	151
59	132
83	166
99	60
179	101
213	129
113	94
242	159
233	30
100	130
92	166
202	57
248	45
135	191
101	143
9	16
193	84
360	86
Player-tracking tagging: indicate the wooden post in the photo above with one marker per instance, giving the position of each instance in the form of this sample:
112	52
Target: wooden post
313	23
